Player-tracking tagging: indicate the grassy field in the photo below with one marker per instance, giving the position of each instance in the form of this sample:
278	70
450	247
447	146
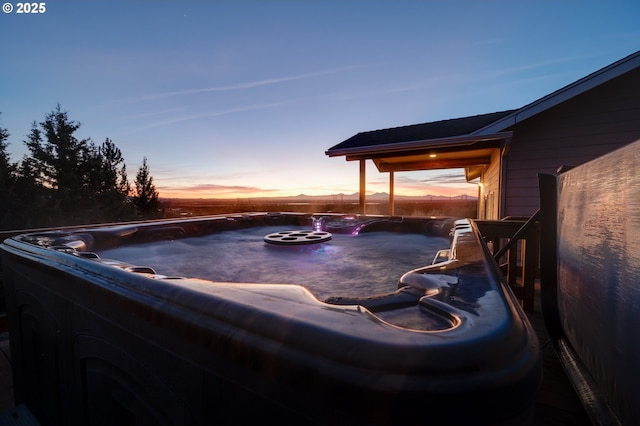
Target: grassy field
202	207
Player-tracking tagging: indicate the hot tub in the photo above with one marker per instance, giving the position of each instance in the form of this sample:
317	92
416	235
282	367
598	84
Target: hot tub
207	321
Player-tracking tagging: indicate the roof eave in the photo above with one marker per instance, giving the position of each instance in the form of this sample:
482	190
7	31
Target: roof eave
453	141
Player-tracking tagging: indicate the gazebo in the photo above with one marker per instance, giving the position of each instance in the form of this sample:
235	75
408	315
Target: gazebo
442	144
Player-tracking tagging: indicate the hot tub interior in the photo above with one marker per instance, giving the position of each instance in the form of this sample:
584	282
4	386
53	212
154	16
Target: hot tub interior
346	265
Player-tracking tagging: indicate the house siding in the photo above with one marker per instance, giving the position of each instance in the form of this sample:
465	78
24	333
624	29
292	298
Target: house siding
572	133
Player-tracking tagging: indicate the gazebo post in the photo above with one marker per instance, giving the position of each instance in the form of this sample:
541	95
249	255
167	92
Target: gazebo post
391	196
363	184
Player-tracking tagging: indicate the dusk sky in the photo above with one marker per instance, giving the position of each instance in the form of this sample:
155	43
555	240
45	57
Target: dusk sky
241	99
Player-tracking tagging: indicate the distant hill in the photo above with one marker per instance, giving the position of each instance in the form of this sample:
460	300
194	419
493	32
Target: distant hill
385	196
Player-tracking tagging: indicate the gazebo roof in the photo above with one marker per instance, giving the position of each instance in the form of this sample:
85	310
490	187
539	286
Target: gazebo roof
416	133
436	145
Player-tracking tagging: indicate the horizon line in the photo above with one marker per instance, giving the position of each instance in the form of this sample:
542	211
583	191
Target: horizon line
378	195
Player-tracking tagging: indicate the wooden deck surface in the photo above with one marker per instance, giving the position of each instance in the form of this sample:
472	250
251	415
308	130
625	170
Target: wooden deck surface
557	402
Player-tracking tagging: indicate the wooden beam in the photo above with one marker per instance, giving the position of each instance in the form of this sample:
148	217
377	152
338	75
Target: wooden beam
431	164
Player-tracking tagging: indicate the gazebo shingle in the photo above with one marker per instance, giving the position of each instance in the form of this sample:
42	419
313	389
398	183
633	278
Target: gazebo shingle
425	131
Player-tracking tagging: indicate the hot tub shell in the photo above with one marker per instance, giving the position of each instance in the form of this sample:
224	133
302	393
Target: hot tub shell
96	342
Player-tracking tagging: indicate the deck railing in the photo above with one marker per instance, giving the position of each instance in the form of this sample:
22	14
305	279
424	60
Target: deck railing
515	243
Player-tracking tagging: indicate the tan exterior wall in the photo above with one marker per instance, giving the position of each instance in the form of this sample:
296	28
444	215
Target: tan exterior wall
574	132
491	190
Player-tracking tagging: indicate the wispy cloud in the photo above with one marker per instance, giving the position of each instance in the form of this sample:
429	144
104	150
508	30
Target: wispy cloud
142	115
540	64
239	86
243	85
344	96
216	113
445	178
213	189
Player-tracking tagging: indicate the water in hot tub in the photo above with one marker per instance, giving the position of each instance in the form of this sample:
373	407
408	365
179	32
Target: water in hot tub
351	266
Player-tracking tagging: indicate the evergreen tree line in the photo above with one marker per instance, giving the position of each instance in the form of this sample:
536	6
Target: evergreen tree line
69	181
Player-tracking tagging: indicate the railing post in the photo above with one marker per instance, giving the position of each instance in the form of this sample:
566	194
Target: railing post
530	252
522	245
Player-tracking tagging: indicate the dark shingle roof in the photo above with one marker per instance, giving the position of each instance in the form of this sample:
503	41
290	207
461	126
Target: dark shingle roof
425	131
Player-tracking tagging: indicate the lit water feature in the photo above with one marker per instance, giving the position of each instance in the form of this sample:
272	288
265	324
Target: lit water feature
347	265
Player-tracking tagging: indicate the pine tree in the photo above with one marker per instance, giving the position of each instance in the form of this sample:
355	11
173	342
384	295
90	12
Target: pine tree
146	196
6	168
108	180
81	182
62	164
8	202
69	181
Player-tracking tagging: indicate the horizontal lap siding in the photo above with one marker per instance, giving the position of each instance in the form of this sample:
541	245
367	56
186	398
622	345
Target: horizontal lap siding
572	133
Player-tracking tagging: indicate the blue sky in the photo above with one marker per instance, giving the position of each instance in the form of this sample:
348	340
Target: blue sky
241	99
